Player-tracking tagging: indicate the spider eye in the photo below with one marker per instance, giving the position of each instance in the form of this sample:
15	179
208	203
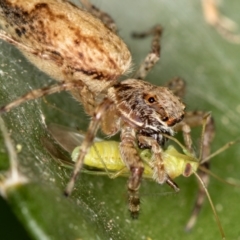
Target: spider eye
165	119
151	100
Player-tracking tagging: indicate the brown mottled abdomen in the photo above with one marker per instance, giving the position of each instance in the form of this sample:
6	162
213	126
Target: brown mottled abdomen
73	45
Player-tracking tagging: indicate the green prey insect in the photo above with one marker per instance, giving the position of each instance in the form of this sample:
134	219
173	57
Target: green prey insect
104	158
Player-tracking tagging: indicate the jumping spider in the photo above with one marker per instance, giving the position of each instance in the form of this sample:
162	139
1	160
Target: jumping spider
81	50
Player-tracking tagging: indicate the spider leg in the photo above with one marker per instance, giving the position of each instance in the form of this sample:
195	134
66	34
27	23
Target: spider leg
152	58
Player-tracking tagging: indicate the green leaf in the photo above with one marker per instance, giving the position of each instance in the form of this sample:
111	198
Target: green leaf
98	208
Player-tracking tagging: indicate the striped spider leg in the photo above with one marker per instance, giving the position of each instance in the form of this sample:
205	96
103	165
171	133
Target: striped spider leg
222	24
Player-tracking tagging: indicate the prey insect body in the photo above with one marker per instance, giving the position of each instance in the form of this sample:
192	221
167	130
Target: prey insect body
104	155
